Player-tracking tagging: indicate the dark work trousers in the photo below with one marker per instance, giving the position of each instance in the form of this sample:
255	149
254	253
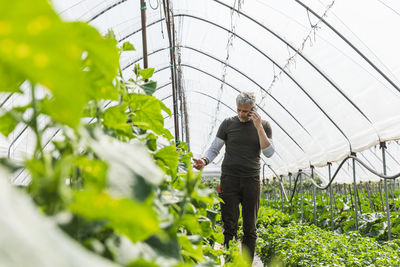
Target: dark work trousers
244	191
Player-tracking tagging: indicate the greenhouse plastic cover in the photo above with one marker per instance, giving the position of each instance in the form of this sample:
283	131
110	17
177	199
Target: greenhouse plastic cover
326	74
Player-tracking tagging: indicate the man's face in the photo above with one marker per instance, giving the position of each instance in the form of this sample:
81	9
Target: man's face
243	111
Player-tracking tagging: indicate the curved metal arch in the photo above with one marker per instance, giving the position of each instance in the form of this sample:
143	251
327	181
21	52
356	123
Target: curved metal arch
7	98
105	10
349	43
230	66
204	72
207	95
284	71
287	74
307	60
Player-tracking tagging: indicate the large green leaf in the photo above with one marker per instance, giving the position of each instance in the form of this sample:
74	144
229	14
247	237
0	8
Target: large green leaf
127	46
121	214
147	112
149	87
10	119
36	45
115	118
146	73
170	157
8	124
94	171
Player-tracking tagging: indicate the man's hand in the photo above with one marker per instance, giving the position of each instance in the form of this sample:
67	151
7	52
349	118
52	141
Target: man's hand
256	118
199	163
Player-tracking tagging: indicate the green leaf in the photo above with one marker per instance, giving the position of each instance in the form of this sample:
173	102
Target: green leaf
10	119
27	54
146	73
190	250
146	112
121	214
10	80
8	124
116	118
164	107
151	142
142	263
110	35
136	69
149	87
170	157
94	172
127	46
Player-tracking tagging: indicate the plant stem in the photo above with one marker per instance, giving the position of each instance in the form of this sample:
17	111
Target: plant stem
34	125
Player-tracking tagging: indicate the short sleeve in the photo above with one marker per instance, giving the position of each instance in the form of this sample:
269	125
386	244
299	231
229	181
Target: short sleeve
222	130
267	129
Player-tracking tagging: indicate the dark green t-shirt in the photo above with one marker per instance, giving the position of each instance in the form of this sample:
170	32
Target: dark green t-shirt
242	147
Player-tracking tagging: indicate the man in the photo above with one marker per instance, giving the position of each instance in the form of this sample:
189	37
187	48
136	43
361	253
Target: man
244	136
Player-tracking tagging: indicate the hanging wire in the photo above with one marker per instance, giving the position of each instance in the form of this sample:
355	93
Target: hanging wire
292	58
65	10
365	45
154	8
392	9
225	65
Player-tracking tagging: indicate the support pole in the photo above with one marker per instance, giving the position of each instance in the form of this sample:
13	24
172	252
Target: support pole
383	147
380	192
282	188
268	191
170	30
351	197
330	194
355	191
369	197
144	33
301	196
393	195
292	194
314	202
274	193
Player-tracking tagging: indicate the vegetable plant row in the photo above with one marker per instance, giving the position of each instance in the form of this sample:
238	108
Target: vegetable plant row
284	242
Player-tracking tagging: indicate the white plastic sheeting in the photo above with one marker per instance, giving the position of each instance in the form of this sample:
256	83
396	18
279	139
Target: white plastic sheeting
326	73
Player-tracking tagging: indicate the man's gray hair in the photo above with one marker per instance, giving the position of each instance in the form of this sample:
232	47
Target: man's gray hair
246	98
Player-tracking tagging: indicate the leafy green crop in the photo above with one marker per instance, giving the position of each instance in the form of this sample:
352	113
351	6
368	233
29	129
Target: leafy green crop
128	192
302	245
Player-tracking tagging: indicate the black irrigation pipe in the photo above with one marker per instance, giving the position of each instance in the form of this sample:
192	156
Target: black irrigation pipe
386	177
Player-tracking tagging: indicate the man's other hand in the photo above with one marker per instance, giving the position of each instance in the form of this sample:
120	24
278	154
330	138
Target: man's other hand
199	163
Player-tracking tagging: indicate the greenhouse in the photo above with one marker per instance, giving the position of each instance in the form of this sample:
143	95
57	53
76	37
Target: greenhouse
110	110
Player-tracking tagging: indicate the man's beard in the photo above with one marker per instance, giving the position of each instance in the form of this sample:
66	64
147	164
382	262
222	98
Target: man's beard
243	119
